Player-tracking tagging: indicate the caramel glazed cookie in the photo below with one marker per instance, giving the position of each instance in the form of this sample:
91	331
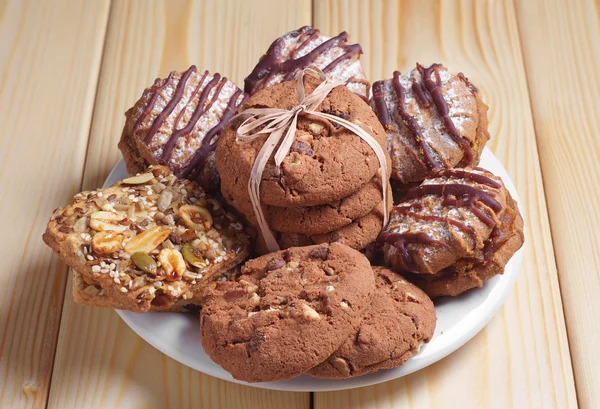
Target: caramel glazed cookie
300	48
434	120
287	312
326	163
400	319
151	242
177	123
453	232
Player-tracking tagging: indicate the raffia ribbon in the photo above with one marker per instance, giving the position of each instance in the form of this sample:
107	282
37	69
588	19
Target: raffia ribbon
276	121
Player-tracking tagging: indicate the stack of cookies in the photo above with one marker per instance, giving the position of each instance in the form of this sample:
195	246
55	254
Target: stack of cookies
328	188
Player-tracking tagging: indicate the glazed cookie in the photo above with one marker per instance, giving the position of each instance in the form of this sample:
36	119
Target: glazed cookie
449	223
400	319
466	274
287	312
326	162
151	242
177	123
306	46
434	120
314	219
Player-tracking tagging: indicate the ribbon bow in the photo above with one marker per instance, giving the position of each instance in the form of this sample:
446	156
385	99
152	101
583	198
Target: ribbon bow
276	121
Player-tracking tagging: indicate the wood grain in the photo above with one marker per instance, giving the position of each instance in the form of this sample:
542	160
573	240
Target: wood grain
565	86
49	63
100	362
521	359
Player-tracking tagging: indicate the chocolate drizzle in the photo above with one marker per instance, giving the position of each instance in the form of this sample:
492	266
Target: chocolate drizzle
160	119
429	217
380	106
401	240
435	92
157	91
464	79
459	196
272	62
417	88
473	177
412	124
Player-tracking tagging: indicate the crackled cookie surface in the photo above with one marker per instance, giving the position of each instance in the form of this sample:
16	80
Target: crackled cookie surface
306	46
326	162
148	243
287	312
400	319
451	224
435	120
177	123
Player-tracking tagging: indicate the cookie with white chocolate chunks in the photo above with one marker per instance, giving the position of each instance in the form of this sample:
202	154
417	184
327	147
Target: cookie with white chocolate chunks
399	321
177	123
151	242
434	120
450	225
287	312
305	47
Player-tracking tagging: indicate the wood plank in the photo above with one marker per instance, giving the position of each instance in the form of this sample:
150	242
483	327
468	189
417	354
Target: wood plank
100	362
521	359
561	52
49	62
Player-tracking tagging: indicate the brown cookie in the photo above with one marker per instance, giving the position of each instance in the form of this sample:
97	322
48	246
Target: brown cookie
313	219
451	224
177	123
306	46
400	319
326	162
287	312
435	120
151	242
466	274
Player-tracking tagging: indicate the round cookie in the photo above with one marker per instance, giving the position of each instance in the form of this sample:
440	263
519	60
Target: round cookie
467	274
326	162
287	312
435	120
312	219
306	46
177	123
400	319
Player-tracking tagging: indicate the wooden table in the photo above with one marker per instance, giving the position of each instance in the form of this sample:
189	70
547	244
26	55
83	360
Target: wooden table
68	72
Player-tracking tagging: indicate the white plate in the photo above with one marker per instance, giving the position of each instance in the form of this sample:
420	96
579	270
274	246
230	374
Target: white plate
458	320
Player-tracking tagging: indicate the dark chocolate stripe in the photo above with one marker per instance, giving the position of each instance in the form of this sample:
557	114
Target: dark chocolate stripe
427	217
209	143
190	100
310	34
198	112
401	240
158	121
152	102
469	84
412	124
417	89
435	92
474	177
351	51
381	108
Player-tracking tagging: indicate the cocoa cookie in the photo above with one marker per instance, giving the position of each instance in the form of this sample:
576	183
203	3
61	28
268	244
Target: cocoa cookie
448	224
312	219
466	273
357	234
151	242
326	162
435	120
287	312
177	123
400	319
306	46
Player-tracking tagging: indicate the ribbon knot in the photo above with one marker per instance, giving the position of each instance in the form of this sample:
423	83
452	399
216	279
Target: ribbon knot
276	121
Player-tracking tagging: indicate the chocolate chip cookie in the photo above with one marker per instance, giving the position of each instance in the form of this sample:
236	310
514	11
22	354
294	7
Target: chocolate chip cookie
400	319
326	162
287	312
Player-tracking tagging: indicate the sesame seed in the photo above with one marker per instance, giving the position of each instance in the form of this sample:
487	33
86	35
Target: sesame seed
123	289
102	264
112	266
80	253
158	283
116	280
89	257
100	194
329	289
95	269
82	235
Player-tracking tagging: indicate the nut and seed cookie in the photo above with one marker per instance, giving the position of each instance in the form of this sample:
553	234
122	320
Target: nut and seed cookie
312	219
326	162
306	46
435	120
287	312
450	224
177	123
151	242
400	319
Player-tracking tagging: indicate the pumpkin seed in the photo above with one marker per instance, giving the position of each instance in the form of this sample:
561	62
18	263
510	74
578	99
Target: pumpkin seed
144	262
